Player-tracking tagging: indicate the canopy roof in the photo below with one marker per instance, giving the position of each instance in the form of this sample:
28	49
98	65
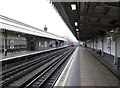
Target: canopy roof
93	18
13	25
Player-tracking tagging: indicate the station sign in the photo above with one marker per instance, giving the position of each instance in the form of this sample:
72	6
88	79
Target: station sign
11	44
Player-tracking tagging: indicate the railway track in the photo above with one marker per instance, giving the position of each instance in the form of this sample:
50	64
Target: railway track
18	71
9	65
15	69
22	60
48	78
23	74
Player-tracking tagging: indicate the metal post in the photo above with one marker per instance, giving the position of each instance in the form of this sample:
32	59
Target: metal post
19	43
0	53
5	43
86	44
115	57
110	45
93	44
79	43
96	44
102	46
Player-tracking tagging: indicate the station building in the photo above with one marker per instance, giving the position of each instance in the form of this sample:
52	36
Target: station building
17	36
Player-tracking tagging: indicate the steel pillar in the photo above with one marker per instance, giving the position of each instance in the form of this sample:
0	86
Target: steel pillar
5	42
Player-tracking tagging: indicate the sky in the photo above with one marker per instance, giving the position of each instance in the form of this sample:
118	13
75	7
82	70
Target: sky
37	13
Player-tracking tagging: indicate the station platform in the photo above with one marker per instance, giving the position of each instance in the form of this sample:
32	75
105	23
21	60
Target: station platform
25	53
83	69
14	54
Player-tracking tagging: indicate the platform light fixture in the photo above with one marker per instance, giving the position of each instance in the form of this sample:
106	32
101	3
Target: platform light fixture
112	31
76	29
73	6
76	23
77	32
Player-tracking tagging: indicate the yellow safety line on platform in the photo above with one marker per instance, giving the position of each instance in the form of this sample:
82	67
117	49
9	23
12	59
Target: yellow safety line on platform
66	77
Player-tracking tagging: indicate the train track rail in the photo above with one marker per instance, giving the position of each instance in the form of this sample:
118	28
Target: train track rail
8	65
48	78
15	69
29	71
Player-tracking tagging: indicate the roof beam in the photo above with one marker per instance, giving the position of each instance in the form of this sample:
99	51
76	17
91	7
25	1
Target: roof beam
98	15
116	4
105	12
96	24
117	24
91	28
91	10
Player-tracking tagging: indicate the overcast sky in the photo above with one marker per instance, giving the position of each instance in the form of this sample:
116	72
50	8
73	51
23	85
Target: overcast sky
37	13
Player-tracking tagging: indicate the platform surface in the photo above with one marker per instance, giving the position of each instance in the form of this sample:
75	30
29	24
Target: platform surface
24	53
14	54
84	69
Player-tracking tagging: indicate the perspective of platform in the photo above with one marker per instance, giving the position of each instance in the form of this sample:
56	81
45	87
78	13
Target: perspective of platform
85	70
31	57
98	25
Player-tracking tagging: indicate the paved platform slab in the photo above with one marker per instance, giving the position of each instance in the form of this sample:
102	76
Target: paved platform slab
85	70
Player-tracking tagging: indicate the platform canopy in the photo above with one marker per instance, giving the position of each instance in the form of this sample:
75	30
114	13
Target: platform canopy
17	26
88	20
